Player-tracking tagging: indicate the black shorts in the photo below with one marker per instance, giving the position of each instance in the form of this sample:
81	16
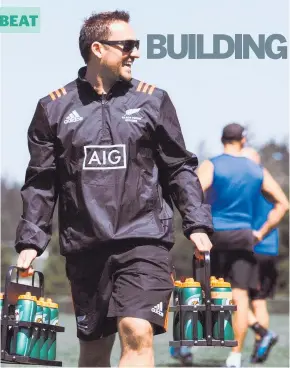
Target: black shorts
267	277
127	282
233	259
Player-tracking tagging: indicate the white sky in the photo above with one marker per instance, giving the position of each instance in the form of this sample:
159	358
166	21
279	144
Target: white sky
207	93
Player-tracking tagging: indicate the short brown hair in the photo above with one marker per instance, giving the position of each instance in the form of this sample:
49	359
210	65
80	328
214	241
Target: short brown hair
96	27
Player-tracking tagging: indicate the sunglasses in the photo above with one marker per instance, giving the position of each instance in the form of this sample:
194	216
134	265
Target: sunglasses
128	45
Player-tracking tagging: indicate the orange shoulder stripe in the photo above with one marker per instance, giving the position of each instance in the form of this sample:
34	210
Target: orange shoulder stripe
57	93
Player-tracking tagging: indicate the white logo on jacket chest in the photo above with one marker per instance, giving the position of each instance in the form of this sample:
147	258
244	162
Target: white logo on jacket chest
73	117
105	157
130	115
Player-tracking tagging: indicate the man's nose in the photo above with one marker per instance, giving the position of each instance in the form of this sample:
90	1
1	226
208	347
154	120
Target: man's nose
135	53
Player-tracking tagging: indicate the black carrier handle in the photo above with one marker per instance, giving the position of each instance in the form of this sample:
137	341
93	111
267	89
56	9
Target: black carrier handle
14	289
201	273
18	270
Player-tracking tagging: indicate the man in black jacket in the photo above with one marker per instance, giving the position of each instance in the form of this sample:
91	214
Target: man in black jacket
111	150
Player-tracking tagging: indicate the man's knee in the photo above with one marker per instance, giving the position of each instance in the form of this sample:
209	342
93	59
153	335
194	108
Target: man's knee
259	304
135	333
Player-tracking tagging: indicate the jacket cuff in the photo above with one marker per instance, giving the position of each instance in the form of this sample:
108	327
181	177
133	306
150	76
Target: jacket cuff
193	230
19	247
198	231
30	236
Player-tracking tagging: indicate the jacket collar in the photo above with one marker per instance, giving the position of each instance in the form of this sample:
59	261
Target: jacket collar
119	86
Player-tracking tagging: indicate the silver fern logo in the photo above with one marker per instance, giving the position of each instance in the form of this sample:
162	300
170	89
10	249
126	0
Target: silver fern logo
130	115
132	111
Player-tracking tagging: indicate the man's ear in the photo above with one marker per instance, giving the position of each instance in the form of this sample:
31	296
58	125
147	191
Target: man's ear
97	49
244	141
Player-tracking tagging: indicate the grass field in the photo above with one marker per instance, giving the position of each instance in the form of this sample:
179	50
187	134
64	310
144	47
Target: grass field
67	347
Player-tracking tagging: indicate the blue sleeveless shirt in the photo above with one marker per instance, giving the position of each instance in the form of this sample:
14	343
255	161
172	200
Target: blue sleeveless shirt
270	244
236	187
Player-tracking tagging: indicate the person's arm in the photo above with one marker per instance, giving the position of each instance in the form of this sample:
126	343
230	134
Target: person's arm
281	204
178	166
205	174
39	192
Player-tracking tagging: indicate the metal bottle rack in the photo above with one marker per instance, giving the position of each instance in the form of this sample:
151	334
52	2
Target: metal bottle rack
10	327
201	273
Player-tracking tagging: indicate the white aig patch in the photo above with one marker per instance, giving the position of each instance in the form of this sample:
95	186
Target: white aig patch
105	157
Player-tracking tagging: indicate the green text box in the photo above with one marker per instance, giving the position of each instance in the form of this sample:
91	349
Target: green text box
19	20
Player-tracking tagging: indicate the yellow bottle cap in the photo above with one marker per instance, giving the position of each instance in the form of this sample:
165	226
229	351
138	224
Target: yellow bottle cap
50	303
178	283
189	282
220	283
27	296
1	295
40	302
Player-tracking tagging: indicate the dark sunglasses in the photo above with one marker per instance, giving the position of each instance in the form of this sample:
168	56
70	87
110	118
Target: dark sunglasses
129	45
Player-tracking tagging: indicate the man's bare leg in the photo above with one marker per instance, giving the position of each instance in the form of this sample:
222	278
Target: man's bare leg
96	353
240	326
252	320
261	312
240	317
136	336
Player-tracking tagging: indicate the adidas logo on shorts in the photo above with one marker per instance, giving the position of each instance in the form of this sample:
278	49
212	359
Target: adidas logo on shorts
158	309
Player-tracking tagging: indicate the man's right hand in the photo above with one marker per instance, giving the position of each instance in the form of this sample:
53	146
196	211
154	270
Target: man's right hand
25	259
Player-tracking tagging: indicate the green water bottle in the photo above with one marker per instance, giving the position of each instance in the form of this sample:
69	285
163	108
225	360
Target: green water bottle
35	338
43	354
221	294
190	293
24	311
54	313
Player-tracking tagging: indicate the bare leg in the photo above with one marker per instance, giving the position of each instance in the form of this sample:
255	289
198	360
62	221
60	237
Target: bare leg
240	317
136	336
251	321
261	312
96	353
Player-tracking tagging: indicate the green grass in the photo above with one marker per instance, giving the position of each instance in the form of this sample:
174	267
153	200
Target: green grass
67	347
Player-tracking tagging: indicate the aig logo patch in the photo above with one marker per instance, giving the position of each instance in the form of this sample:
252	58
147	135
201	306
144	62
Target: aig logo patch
105	157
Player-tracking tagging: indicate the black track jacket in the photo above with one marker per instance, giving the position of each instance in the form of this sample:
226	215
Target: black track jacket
114	162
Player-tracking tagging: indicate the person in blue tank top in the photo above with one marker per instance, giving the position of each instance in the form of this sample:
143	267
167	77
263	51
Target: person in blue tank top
232	184
265	252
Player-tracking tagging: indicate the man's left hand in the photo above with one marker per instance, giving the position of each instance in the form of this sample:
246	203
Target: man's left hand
258	236
202	243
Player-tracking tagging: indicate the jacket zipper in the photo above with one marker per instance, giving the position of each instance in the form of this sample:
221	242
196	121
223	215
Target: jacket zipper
106	130
103	116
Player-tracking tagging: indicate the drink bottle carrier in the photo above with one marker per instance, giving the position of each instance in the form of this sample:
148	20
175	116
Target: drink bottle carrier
201	273
10	327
